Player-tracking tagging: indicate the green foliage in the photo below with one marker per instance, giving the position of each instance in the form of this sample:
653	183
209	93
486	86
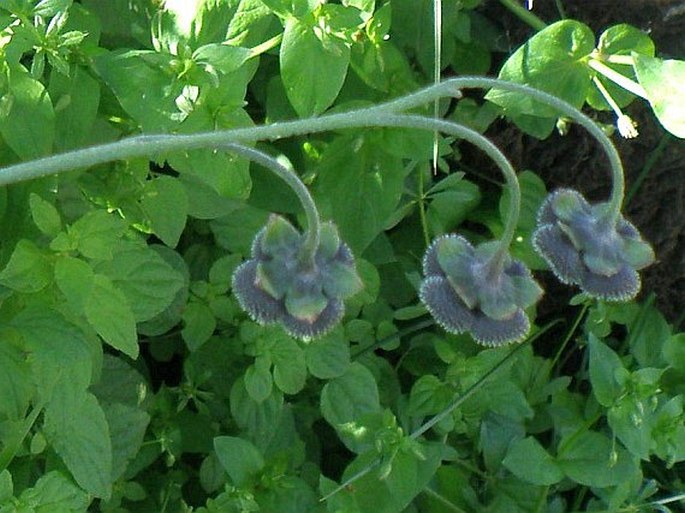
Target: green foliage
133	381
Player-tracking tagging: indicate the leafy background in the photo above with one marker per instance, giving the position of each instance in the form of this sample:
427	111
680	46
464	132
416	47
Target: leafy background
133	382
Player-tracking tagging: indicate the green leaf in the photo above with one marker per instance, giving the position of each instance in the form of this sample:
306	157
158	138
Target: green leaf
45	215
529	461
674	351
75	279
553	61
77	98
350	396
127	427
77	430
222	57
313	66
29	128
199	325
450	204
258	379
241	460
429	395
165	203
28	270
97	234
16	387
290	369
664	83
109	312
633	426
604	364
648	333
149	283
120	383
56	492
329	356
592	459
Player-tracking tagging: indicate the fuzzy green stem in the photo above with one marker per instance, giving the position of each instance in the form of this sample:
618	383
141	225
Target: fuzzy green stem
311	242
524	14
156	144
473	137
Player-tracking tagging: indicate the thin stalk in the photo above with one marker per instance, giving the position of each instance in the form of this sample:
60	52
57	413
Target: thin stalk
266	45
524	14
617	78
146	145
311	242
652	159
446	503
422	207
437	64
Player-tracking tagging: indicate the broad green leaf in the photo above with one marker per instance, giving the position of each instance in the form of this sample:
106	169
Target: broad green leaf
97	234
223	58
619	40
361	186
16	387
529	461
28	270
205	202
290	369
604	364
313	66
591	459
77	430
127	427
329	356
241	460
290	8
54	492
553	61
120	383
45	215
293	495
165	203
149	283
77	98
350	396
237	230
648	332
258	379
261	419
497	434
664	83
674	351
59	349
141	85
249	23
6	486
199	324
109	312
632	428
75	279
48	8
29	128
429	395
450	205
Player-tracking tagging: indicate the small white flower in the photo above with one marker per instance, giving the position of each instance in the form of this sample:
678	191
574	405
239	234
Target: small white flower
627	127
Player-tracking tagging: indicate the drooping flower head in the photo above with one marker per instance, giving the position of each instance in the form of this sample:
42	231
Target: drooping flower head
472	289
584	246
280	284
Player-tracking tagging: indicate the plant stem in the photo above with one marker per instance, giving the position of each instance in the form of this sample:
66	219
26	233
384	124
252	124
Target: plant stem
616	77
266	45
492	151
146	145
437	66
524	14
311	242
442	500
652	159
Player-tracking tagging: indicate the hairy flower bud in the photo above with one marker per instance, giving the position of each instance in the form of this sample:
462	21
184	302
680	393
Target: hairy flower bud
583	247
466	292
281	285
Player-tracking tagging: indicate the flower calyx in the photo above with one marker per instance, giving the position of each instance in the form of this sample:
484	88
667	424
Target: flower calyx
584	246
282	284
473	289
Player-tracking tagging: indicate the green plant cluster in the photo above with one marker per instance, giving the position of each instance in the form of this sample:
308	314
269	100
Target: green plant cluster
148	270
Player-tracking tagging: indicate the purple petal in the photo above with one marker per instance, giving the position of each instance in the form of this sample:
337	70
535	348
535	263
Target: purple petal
431	266
489	332
259	305
444	305
622	286
256	250
327	319
627	229
564	260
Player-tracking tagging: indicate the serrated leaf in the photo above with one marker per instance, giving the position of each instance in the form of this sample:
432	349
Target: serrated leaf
109	312
290	370
241	460
127	427
350	396
428	396
313	66
329	356
165	203
45	215
529	461
75	279
77	430
28	270
664	83
97	234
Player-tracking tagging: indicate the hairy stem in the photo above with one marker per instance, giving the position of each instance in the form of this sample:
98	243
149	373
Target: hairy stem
311	242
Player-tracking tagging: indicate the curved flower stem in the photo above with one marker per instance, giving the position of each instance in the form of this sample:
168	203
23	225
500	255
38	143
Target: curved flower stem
155	144
470	135
311	242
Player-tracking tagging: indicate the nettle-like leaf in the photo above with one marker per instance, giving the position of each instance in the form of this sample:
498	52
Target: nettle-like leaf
278	285
583	247
465	292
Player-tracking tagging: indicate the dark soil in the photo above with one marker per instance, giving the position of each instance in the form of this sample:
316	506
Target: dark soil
576	161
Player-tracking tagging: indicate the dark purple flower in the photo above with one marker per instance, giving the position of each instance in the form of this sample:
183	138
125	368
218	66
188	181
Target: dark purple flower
584	247
280	285
466	290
